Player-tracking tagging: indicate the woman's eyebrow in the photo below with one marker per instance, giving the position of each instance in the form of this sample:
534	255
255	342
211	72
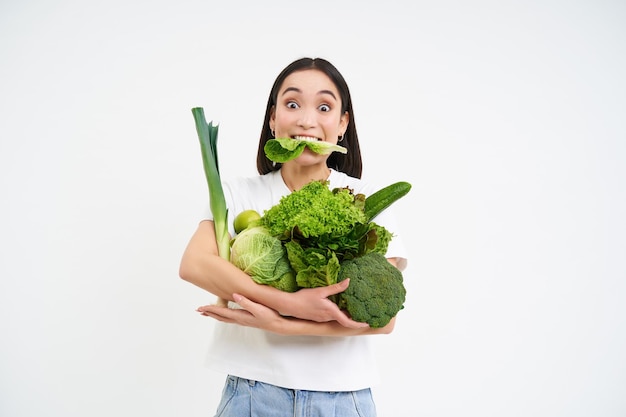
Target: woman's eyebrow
288	89
321	92
329	93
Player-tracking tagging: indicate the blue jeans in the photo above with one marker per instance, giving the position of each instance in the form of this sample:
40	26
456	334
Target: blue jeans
245	398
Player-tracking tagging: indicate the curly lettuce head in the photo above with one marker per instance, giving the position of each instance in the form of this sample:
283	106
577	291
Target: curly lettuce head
314	211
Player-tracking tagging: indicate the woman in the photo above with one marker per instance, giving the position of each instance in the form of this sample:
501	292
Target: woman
290	353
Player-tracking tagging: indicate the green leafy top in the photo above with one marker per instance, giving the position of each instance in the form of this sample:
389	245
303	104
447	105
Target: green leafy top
207	134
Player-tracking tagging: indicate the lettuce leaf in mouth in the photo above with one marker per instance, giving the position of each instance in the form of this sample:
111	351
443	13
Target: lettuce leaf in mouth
285	149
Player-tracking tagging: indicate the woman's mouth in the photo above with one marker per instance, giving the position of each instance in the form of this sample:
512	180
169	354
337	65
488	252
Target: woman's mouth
306	138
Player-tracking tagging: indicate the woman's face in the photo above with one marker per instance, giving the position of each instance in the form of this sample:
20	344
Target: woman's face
308	107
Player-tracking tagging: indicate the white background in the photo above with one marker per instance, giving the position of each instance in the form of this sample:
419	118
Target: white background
508	117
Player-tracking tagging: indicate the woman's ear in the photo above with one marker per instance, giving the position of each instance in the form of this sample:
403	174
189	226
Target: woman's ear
272	120
343	123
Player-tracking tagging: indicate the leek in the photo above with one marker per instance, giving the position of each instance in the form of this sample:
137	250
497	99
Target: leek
207	133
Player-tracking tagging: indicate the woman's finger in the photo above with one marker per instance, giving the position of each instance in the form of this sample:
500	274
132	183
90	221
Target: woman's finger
336	288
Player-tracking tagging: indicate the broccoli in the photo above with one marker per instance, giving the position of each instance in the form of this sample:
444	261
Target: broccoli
376	292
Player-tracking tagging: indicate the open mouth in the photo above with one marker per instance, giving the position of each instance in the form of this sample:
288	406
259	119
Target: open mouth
307	138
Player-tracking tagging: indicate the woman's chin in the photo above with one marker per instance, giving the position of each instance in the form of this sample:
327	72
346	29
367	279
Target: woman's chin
308	157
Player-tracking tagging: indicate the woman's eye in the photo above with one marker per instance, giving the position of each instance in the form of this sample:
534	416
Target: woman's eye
292	105
324	107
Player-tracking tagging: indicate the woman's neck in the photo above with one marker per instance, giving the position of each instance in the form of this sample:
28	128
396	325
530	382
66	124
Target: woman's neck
297	176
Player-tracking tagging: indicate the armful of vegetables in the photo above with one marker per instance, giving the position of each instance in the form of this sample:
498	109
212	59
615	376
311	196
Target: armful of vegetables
313	237
316	236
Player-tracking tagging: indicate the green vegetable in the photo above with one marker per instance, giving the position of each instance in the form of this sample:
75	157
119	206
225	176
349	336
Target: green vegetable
376	292
245	219
314	210
264	258
326	236
320	228
315	267
285	149
383	198
207	133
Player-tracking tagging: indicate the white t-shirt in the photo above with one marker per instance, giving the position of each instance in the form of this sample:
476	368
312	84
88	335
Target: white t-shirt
313	363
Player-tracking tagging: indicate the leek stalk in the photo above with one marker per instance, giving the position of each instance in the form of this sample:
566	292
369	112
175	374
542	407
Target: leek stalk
207	133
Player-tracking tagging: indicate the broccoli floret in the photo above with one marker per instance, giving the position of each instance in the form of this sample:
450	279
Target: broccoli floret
376	292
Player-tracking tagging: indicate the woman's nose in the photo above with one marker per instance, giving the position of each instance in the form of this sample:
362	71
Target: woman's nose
307	118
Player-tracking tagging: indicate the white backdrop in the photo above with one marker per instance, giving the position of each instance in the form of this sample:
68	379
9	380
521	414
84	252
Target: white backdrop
507	117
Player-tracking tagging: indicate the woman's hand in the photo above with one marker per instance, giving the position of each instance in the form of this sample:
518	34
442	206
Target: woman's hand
256	315
250	314
313	304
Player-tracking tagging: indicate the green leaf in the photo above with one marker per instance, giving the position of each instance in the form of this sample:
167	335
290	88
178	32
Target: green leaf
314	267
285	149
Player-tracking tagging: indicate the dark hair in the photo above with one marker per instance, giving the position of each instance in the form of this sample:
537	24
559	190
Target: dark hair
350	163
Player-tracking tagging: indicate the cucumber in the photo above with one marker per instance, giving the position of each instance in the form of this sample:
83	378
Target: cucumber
383	198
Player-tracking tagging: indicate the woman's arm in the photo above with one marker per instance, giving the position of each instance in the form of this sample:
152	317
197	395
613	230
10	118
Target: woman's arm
253	314
202	266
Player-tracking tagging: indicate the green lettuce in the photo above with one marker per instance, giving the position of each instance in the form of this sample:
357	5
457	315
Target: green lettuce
285	149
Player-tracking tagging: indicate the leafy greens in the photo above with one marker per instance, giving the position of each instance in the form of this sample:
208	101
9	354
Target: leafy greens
285	149
320	228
